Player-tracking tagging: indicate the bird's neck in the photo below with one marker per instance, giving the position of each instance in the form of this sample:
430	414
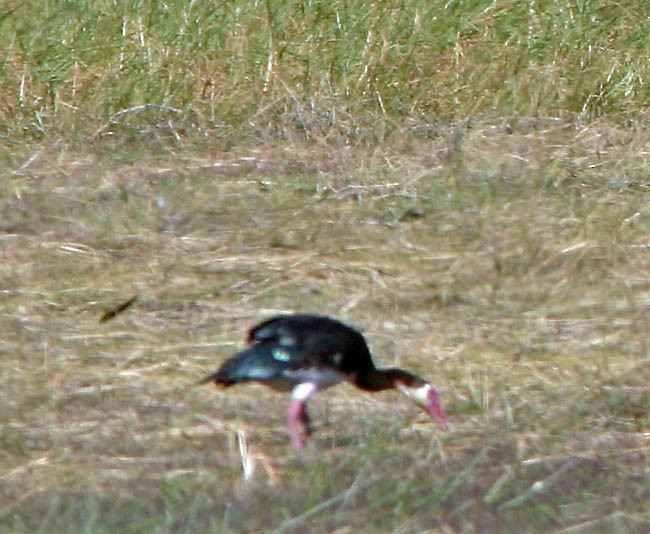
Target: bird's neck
378	379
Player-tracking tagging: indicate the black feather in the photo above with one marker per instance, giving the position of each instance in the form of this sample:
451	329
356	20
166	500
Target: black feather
291	343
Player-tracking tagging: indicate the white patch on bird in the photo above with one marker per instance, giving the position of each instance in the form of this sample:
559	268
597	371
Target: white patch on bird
321	377
303	391
419	395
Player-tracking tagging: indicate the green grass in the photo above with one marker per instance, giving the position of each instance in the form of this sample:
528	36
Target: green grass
467	182
337	71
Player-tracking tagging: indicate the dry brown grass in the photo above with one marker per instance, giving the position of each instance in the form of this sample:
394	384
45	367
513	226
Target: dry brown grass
522	291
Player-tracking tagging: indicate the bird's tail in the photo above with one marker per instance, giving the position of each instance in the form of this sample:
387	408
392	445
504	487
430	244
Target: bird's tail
211	378
219	378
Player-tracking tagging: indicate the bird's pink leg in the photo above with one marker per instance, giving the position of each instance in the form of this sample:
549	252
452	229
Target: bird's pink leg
435	409
298	422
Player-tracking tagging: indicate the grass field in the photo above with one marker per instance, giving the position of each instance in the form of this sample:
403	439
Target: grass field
467	183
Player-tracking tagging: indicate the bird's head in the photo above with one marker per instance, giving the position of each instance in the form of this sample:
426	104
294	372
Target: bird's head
426	397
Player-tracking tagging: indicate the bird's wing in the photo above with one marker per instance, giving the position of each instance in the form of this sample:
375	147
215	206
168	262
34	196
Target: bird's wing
314	341
283	329
262	362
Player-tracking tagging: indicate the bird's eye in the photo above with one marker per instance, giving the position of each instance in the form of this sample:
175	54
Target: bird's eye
281	355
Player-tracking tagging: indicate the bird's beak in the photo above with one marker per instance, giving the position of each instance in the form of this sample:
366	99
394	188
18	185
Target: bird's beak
428	399
435	408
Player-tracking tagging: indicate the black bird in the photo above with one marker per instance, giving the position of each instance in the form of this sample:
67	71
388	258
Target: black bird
307	353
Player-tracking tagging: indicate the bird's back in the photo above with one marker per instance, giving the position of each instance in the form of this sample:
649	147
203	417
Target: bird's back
316	340
285	346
